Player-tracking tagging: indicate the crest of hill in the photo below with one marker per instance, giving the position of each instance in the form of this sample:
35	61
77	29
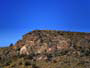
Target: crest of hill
53	38
46	45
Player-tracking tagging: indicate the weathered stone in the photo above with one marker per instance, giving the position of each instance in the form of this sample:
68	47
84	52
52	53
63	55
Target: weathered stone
24	51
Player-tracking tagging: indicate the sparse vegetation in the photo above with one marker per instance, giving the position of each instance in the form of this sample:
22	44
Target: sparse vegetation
48	49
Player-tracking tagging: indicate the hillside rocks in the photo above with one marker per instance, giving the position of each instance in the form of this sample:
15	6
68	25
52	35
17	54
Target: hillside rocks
44	42
24	51
46	45
6	54
49	41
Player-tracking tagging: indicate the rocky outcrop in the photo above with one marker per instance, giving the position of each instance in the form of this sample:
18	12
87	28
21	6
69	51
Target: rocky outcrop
47	45
24	51
44	42
49	41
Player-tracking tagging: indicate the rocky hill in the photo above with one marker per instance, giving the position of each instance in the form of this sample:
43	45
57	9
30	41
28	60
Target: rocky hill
51	48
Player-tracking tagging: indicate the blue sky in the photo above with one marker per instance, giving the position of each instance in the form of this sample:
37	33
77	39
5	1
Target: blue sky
18	17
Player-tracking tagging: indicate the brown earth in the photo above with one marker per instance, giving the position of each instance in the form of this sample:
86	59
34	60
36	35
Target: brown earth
48	48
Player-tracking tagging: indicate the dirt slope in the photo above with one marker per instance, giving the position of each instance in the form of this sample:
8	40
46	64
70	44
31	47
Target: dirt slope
51	48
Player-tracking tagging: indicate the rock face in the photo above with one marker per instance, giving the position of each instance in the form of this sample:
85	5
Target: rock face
24	51
46	45
43	42
50	41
